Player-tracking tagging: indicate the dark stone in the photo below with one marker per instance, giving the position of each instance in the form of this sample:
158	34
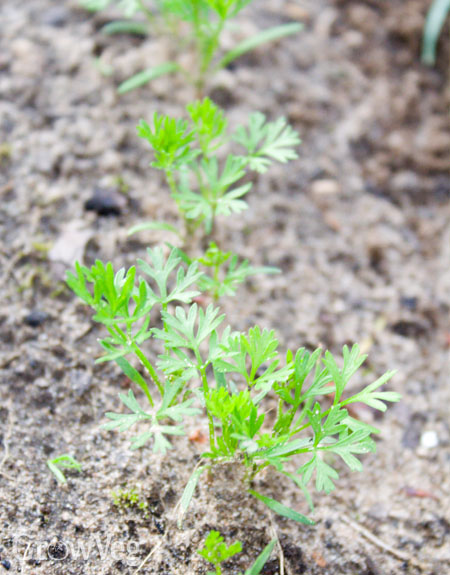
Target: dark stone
105	202
6	564
35	318
57	550
410	329
409	303
294	557
442	188
413	431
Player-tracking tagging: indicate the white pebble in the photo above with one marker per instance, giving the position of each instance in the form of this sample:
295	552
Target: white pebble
429	439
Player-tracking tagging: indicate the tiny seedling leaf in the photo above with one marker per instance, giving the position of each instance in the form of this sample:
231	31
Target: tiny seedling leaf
65	462
281	509
434	23
125	27
261	560
189	492
146	76
152	226
259	39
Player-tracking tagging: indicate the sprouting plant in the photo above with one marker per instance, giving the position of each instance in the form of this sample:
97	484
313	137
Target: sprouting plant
187	152
436	16
224	272
196	24
129	498
215	551
228	375
313	432
62	462
124	306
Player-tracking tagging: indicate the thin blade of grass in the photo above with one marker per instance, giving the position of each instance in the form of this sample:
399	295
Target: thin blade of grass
261	560
146	76
189	492
125	27
433	26
281	509
259	39
152	226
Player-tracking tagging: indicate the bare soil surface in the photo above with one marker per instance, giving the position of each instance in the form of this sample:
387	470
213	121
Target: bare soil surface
359	226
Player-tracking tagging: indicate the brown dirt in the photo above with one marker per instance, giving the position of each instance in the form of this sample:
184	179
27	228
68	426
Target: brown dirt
359	225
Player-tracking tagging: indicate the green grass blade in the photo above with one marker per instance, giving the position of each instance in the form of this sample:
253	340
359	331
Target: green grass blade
433	26
259	39
281	509
152	226
125	27
146	76
57	473
261	560
189	492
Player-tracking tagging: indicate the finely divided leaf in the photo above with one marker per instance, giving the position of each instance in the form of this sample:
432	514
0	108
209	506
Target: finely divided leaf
374	398
267	141
324	474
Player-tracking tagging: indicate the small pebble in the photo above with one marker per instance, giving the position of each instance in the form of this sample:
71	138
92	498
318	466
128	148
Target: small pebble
429	439
35	318
409	303
6	564
105	202
325	187
80	381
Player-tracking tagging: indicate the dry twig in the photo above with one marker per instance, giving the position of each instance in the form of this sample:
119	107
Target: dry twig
382	545
6	439
280	548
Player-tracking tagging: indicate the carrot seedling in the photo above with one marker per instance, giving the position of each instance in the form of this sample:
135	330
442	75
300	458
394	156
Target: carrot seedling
216	552
205	367
197	25
62	462
202	185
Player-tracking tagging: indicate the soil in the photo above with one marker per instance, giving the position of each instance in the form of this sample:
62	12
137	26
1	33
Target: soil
359	225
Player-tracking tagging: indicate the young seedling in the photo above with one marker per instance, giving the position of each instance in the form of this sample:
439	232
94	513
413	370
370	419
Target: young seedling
62	462
129	498
216	552
224	272
124	306
303	426
187	152
228	375
196	24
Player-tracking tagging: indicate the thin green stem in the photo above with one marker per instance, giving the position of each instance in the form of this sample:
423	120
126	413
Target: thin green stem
207	48
216	280
202	368
257	469
149	368
171	181
279	413
147	12
144	387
